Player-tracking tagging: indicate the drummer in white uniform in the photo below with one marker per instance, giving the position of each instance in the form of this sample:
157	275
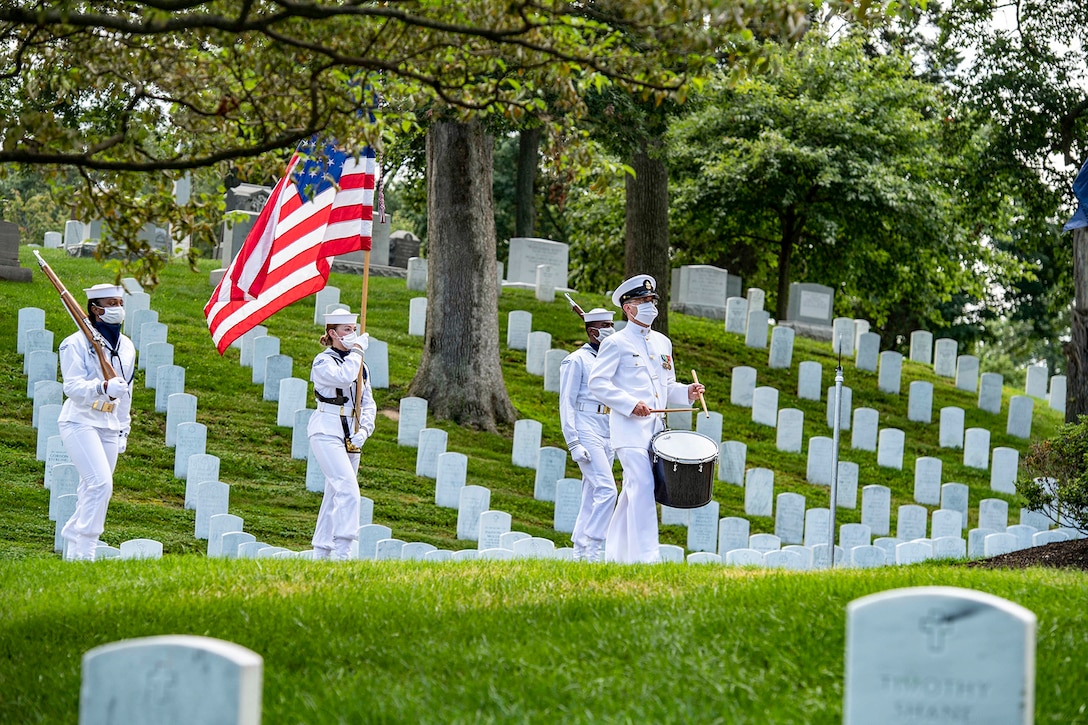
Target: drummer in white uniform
95	420
332	430
585	427
634	374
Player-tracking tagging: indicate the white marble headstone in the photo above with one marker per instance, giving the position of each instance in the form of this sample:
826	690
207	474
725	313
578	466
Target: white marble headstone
927	480
732	456
1003	470
809	380
976	448
169	380
944	357
759	492
292	396
868	351
920	402
474	501
781	355
989	392
742	386
790	430
938	654
526	447
864	429
538	344
967	373
789	518
493	525
876	503
703	527
417	316
951	432
519	324
180	408
202	467
413	419
1020	411
818	469
891	372
451	477
550	467
432	444
921	347
765	406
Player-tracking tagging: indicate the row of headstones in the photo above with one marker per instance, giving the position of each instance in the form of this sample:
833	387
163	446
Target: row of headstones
898	667
943	355
449	469
764	399
796	525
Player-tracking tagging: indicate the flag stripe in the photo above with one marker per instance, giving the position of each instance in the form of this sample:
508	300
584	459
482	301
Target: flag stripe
286	255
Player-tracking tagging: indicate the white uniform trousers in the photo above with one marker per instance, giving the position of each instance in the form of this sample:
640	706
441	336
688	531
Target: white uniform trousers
598	494
632	533
338	518
93	452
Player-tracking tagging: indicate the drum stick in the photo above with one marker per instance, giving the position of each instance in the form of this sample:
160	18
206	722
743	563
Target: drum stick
701	398
671	410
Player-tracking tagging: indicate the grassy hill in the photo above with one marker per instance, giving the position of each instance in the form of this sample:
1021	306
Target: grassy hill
470	641
267	485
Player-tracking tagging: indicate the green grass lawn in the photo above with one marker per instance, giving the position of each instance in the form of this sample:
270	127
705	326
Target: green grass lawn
465	642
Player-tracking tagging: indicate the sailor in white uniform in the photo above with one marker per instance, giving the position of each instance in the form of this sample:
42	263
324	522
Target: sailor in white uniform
635	374
333	436
585	427
95	420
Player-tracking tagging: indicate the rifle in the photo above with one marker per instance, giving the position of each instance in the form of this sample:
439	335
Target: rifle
574	305
81	320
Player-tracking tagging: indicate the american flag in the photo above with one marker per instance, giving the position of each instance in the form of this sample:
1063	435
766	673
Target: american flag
321	207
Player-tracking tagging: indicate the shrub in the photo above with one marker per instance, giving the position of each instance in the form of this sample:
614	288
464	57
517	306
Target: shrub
1054	476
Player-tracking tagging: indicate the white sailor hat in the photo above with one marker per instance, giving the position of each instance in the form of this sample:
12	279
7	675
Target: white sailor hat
599	315
341	317
641	285
101	291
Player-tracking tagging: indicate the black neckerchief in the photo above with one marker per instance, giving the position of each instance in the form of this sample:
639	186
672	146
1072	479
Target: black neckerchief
341	353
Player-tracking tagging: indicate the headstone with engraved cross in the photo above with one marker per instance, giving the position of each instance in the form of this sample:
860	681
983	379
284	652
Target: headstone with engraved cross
938	654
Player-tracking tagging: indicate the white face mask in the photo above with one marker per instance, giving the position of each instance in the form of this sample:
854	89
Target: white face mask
349	339
603	332
112	315
647	313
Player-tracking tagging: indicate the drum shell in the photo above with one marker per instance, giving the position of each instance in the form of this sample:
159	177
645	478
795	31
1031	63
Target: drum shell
682	485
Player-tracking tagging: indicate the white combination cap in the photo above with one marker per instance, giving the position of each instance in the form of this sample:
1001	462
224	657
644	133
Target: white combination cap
101	291
599	315
341	317
637	287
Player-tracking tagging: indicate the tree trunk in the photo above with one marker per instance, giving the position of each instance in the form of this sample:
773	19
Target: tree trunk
1076	350
790	233
525	187
460	373
646	248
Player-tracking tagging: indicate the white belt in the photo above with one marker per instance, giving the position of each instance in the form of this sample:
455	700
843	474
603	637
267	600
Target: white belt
599	409
335	409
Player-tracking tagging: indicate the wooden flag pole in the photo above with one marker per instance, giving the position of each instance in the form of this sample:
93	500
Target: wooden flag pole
362	329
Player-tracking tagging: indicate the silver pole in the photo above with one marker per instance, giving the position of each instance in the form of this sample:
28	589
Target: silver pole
835	463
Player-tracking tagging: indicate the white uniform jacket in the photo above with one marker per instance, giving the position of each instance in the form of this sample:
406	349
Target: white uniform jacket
578	409
330	373
636	364
83	383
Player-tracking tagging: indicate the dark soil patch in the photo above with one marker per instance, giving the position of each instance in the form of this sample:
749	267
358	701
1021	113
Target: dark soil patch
1059	555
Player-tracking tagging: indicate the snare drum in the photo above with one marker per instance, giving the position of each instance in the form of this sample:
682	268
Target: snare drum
683	463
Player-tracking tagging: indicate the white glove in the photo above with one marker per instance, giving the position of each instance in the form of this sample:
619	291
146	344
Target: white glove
579	454
361	343
122	443
359	438
116	388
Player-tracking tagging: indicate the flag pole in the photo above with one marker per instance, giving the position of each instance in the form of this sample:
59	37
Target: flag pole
362	329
